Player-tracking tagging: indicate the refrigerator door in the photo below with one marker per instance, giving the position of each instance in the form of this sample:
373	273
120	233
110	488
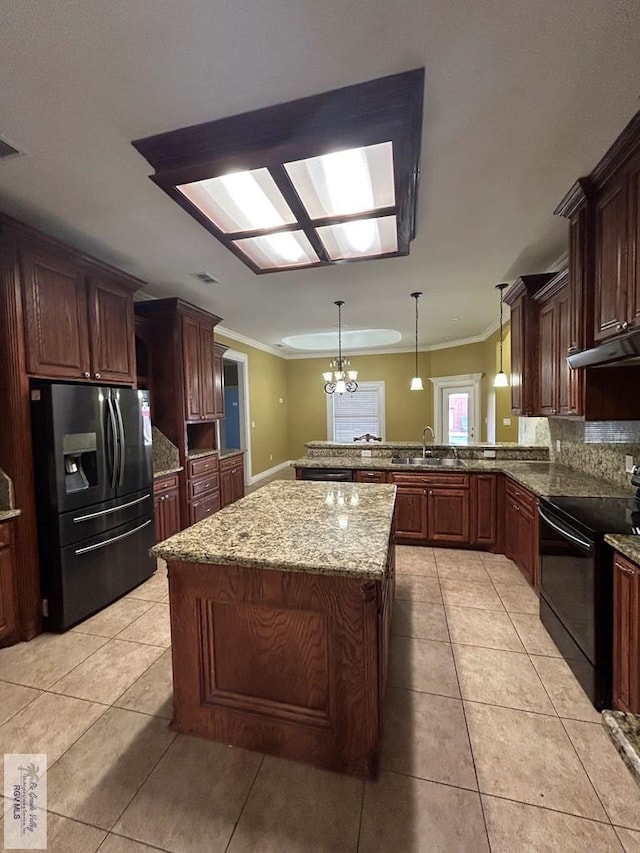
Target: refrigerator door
74	443
135	452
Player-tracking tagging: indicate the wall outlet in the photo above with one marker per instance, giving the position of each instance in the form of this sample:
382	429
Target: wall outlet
506	422
253	424
628	464
558	445
281	400
366	453
271	457
489	454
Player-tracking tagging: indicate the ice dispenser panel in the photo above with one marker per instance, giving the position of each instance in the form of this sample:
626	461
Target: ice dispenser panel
80	461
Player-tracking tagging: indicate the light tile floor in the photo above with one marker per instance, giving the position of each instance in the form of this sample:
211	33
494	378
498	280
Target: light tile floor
489	745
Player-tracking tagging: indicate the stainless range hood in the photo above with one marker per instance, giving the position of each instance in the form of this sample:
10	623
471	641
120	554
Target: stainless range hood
620	350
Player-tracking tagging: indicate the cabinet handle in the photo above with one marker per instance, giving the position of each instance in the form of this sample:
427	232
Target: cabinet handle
573	348
624	326
86	374
554	411
97	375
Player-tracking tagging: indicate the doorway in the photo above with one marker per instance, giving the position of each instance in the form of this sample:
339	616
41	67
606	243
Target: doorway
234	431
456	406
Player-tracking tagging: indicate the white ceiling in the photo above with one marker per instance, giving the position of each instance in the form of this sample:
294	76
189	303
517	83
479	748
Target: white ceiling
521	98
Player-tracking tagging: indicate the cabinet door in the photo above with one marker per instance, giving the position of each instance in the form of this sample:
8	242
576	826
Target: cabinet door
218	385
206	373
548	359
238	481
191	367
511	534
112	335
611	235
517	357
202	508
8	613
448	515
626	636
369	476
171	512
55	309
484	514
411	513
226	486
158	514
633	270
564	336
527	556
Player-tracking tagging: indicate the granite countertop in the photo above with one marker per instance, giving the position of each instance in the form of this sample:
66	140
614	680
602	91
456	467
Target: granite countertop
164	471
224	454
624	731
391	445
197	454
543	478
8	514
295	526
627	545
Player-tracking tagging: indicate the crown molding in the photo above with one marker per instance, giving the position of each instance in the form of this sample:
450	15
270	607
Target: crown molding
250	342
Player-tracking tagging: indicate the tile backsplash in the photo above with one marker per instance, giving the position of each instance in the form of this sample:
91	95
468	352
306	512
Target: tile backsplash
596	447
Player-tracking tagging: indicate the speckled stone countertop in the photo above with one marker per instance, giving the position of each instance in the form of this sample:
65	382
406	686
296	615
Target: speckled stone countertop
224	454
8	514
624	731
319	449
165	471
627	545
543	478
165	454
198	454
6	491
319	528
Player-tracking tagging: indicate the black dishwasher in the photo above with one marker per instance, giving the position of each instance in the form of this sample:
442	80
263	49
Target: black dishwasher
327	475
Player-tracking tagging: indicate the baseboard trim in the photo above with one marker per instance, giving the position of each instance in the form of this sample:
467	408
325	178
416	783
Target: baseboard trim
269	472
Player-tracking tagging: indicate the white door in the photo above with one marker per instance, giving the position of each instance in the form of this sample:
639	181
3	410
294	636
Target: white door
458	415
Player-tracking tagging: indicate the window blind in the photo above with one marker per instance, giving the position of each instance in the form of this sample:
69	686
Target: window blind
358	413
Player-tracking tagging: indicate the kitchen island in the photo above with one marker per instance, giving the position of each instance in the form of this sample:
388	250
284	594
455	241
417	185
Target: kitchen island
280	621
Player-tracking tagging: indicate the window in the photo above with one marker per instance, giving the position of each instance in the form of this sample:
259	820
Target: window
351	415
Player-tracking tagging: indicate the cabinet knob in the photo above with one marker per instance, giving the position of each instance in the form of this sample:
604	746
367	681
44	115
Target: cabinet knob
554	411
624	326
86	374
97	375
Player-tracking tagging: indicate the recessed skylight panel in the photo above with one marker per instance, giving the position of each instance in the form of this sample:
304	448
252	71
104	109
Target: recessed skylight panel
360	238
284	249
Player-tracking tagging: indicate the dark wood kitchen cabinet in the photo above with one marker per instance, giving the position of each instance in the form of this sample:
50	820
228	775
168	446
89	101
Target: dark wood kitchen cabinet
626	635
166	504
231	479
218	378
521	530
8	612
611	218
360	476
484	509
432	507
79	321
448	515
410	518
555	328
197	336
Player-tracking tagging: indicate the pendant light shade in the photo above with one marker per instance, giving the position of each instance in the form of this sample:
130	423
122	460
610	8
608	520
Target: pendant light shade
416	382
501	380
339	379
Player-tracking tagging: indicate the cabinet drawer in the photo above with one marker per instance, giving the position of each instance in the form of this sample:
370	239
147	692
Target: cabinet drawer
231	462
6	534
520	495
202	508
165	484
204	485
458	481
369	476
197	467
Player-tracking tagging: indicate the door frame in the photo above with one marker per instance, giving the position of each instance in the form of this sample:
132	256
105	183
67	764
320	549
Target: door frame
440	383
242	360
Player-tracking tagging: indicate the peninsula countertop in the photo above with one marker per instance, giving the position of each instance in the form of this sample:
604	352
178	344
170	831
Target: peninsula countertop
318	528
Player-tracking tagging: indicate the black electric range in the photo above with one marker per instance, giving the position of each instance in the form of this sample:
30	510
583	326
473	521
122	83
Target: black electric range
576	582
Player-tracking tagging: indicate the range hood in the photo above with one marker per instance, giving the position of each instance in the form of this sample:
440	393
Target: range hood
620	350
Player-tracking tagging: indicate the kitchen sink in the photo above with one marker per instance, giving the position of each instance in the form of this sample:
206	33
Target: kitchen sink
428	462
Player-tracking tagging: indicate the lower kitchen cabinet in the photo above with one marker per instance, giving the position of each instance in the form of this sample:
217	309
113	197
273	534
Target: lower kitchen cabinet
204	507
626	635
8	611
448	515
521	530
203	487
484	509
432	507
231	479
411	513
369	476
166	505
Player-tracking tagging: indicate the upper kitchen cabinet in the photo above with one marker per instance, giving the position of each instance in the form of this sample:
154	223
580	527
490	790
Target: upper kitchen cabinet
525	342
555	395
218	378
78	318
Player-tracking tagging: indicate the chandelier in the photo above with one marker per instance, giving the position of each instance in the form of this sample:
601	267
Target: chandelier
339	379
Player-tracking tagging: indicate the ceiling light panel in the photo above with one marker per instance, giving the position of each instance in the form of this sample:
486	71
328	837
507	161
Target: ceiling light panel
360	238
272	251
356	180
240	201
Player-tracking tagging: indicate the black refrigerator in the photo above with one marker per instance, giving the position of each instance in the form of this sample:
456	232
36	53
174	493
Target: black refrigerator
93	470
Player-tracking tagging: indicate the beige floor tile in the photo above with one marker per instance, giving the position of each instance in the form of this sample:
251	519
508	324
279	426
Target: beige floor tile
518	598
114	618
293	807
465	570
417	619
498	677
109	672
534	635
153	589
415	588
49	724
47	658
69	836
616	787
118	844
464	593
152	693
489	628
193	798
425	665
415	816
629	838
567	695
529	757
426	736
444	554
99	775
489	557
14	697
412	560
152	628
505	572
528	829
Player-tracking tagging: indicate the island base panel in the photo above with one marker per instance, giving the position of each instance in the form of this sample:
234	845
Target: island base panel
287	663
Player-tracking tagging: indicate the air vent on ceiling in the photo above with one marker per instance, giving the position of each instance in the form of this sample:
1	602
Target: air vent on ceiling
8	150
205	277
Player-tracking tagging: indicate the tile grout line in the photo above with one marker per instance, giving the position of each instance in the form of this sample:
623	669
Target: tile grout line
246	800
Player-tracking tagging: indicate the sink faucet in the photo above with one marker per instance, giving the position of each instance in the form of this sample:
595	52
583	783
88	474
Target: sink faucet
424	443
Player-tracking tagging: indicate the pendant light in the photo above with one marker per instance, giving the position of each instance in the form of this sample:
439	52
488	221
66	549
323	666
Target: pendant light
501	380
338	379
416	382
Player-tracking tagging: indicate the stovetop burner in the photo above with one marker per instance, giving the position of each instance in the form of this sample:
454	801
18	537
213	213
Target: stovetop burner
600	515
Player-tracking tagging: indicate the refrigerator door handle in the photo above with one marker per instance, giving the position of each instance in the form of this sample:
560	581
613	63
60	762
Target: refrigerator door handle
121	441
114	444
110	541
113	509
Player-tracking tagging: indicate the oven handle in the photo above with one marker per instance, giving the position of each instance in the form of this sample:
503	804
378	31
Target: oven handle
583	543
